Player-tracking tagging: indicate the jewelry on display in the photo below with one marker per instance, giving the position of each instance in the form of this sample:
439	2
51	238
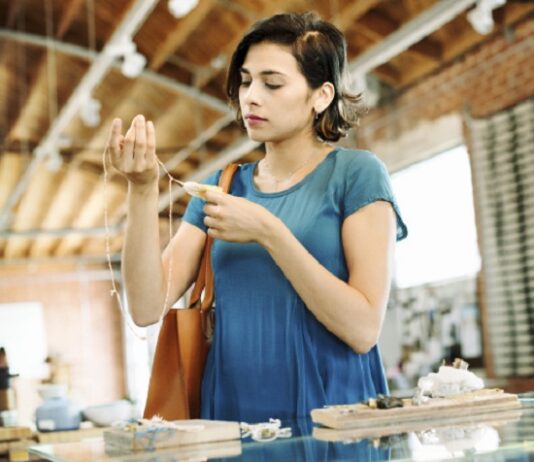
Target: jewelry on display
265	431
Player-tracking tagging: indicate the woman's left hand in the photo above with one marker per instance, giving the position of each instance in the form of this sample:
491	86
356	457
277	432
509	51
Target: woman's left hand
236	219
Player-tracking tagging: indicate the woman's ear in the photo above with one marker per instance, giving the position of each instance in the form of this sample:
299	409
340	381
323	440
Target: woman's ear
323	97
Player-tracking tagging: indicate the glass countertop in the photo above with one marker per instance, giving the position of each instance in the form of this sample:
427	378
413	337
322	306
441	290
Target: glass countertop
506	436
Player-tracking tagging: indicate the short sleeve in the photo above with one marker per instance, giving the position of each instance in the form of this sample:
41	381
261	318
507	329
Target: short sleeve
194	213
367	180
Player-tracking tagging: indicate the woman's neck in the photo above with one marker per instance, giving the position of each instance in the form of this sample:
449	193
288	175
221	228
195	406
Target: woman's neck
289	155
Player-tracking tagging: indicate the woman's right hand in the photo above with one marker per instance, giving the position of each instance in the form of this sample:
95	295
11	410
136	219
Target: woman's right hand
134	154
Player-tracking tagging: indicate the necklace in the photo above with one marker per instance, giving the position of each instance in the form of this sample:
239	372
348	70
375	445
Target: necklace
288	178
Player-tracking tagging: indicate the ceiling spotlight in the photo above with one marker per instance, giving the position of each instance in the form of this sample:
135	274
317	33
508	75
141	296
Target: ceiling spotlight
180	8
54	161
133	62
90	112
123	47
218	62
133	65
481	17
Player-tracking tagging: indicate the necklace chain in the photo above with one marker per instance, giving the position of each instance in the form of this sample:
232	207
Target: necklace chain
293	173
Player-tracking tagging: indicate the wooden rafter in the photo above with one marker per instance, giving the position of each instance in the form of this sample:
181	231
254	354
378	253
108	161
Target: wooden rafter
269	8
461	43
70	11
176	37
92	214
13	11
74	190
375	26
345	18
32	208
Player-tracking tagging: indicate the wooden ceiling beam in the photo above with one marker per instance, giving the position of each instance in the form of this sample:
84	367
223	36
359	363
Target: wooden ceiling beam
70	11
180	33
465	41
74	191
92	216
376	26
13	12
269	8
352	12
32	208
12	165
388	74
137	13
408	34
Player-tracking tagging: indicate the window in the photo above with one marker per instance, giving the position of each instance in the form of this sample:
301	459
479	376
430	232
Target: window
436	201
22	334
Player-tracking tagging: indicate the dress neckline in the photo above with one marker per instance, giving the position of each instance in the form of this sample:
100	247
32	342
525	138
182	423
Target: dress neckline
284	192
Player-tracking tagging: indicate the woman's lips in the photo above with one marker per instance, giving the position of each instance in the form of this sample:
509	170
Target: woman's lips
254	120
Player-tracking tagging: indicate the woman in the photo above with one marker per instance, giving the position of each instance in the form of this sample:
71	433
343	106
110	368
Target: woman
303	244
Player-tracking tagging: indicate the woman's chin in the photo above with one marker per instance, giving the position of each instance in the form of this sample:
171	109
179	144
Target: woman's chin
255	136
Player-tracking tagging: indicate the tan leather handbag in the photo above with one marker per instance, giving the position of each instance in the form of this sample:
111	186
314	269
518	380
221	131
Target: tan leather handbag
183	344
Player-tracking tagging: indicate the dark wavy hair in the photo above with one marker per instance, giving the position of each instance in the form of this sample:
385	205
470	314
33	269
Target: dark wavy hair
321	53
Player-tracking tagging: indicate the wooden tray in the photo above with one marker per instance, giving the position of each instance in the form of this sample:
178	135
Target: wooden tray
147	438
466	405
494	419
14	433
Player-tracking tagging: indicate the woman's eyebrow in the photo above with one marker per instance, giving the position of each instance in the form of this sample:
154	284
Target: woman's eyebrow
244	70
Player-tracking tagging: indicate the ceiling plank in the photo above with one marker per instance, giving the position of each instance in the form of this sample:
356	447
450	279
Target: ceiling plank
388	74
12	165
180	33
32	208
71	10
134	18
375	26
74	190
410	33
269	8
352	12
92	214
13	13
462	43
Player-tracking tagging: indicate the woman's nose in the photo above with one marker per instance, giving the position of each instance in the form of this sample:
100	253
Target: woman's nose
251	94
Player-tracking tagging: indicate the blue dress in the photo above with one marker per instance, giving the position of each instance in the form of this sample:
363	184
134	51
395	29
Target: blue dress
270	356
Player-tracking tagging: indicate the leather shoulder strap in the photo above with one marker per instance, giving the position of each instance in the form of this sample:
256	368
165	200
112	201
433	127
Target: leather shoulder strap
204	279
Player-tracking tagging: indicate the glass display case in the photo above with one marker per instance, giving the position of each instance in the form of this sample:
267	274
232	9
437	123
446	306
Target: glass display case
505	436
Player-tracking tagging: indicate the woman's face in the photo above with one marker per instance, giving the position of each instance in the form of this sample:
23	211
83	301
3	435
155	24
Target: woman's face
275	99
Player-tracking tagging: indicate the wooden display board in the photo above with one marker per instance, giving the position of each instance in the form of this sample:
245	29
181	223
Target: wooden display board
186	432
464	406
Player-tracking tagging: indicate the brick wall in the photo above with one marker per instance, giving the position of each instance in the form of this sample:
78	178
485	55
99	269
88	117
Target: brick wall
493	76
496	74
82	323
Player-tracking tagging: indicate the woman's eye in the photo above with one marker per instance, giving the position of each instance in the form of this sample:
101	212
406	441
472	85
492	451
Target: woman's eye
272	86
245	83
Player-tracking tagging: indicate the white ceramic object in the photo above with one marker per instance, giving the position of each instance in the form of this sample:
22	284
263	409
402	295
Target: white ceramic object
104	415
449	381
52	390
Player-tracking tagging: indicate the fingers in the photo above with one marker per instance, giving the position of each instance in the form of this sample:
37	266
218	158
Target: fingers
114	139
211	222
150	143
140	142
214	197
212	210
128	145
